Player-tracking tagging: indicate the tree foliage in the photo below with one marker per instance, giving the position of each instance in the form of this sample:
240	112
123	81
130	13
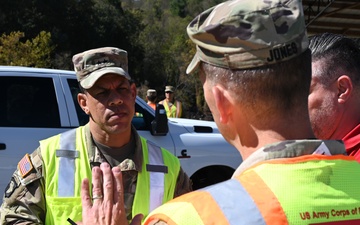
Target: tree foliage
152	31
34	53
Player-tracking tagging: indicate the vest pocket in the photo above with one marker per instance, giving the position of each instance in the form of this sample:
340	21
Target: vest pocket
59	209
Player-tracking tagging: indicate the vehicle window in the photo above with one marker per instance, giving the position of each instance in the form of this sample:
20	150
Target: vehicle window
141	119
28	102
138	121
75	89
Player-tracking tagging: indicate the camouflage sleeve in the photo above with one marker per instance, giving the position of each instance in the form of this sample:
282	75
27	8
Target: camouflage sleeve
23	200
183	184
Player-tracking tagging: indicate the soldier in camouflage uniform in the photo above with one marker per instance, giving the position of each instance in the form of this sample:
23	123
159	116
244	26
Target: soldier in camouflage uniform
255	66
108	97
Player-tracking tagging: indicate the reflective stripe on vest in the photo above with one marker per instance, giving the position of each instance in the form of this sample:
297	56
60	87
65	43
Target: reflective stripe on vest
217	204
59	208
156	178
310	189
170	112
66	181
58	175
229	202
67	169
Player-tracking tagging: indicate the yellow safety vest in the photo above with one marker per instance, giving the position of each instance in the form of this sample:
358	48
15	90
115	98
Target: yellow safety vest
171	112
66	164
311	189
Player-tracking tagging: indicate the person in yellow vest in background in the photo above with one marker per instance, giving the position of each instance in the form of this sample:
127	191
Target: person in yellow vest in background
253	60
45	189
151	96
172	106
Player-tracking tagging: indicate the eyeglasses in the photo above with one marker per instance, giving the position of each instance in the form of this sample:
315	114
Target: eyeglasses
168	92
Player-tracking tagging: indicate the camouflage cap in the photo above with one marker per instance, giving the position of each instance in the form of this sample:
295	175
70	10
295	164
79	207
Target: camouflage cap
240	34
151	92
93	64
169	89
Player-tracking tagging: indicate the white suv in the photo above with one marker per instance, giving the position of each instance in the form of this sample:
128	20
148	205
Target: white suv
38	103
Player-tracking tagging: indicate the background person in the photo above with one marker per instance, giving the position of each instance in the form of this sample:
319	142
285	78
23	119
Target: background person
172	106
45	189
151	96
255	67
334	100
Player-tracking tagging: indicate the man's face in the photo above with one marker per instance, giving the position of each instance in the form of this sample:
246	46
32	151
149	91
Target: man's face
323	106
110	103
169	95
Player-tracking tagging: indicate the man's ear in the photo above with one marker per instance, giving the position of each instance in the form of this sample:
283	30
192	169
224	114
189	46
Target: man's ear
82	100
345	88
223	103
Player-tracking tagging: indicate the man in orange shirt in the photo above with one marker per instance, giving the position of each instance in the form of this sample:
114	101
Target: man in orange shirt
151	97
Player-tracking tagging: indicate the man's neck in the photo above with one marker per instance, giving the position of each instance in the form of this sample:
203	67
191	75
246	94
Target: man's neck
114	140
248	141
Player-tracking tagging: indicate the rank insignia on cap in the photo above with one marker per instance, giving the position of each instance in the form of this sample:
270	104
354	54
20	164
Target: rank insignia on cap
25	165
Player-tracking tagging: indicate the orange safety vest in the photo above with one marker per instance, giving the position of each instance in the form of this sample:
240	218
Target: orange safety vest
310	189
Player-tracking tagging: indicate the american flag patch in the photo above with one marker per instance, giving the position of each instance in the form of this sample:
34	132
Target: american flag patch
25	166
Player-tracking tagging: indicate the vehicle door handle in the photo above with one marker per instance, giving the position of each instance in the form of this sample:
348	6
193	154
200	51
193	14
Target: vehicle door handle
2	146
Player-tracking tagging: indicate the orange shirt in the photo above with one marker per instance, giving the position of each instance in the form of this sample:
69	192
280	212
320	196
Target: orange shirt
352	143
153	105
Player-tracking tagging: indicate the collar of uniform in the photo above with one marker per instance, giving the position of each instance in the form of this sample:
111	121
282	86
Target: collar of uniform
137	157
289	149
89	141
138	154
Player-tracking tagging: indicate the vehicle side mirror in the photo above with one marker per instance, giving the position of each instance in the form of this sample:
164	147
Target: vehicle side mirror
159	126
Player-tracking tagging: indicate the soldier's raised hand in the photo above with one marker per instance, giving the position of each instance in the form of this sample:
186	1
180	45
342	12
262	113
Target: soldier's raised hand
106	206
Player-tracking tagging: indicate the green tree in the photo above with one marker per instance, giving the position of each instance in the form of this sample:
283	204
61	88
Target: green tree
178	7
152	31
34	53
168	51
74	25
194	7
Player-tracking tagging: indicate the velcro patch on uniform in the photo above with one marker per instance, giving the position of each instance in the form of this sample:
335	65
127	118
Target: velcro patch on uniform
25	166
11	187
72	154
156	168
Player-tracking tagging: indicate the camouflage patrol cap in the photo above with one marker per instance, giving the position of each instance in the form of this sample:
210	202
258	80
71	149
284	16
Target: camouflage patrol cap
151	92
240	34
169	88
93	64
